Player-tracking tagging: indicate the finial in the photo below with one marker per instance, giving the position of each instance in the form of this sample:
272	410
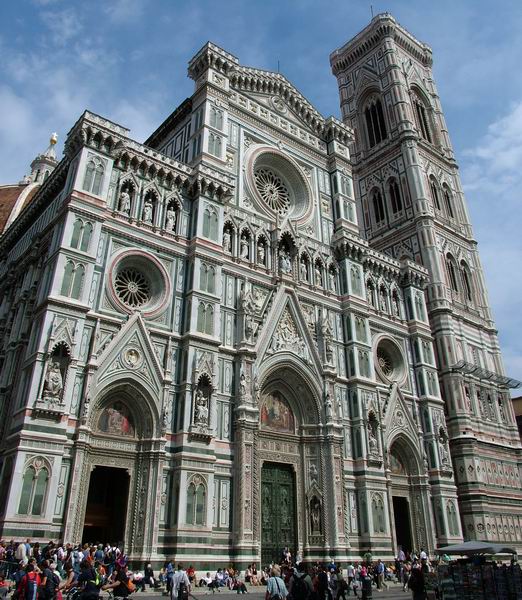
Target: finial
54	138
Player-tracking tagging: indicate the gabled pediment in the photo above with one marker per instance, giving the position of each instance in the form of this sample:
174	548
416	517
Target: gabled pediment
131	355
285	331
398	417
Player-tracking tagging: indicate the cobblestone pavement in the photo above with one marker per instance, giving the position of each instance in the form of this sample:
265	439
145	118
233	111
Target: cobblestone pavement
394	592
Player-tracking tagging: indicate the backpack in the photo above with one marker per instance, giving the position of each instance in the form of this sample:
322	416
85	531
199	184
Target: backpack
300	591
31	585
182	591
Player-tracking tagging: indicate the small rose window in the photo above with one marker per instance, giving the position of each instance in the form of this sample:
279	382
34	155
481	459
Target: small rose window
272	190
389	360
132	287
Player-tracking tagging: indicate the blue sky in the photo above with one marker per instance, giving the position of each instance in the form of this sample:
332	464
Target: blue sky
126	60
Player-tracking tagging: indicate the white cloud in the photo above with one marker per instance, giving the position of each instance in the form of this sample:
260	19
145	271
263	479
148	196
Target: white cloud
63	25
492	179
121	11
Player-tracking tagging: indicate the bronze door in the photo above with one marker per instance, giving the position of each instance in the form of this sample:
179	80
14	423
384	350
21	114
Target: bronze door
278	522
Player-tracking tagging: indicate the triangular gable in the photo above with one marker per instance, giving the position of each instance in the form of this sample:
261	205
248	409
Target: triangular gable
398	418
131	354
285	330
367	77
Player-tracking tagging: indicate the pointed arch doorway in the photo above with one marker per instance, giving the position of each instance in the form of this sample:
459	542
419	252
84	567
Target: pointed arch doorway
401	498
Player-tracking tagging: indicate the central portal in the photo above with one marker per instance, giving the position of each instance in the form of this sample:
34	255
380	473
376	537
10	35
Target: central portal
106	510
278	513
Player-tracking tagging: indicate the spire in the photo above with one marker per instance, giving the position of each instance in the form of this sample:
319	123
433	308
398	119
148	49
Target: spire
43	165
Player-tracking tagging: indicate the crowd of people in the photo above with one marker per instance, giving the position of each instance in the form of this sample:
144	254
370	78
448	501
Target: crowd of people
55	570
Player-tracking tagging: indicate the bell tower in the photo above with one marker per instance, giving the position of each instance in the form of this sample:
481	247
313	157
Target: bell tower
411	204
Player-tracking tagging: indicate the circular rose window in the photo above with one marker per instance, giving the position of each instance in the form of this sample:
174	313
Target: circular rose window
138	281
389	360
277	184
273	190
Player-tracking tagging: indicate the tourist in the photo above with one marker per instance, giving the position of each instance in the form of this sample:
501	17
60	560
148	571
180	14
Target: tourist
206	581
149	577
180	584
169	574
4	587
301	586
416	584
70	577
29	584
88	582
342	587
49	582
120	583
191	574
322	587
254	580
380	570
275	586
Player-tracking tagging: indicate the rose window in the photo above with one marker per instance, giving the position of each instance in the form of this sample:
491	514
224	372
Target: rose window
273	190
385	362
132	287
389	360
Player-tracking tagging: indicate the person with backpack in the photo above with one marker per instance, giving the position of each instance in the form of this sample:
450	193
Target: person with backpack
300	586
28	589
49	582
275	586
88	581
121	584
180	584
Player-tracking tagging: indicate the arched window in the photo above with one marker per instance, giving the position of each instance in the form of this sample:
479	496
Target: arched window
395	196
77	285
452	273
207	278
210	223
93	179
202	312
196	503
435	193
378	206
67	278
375	124
34	489
466	280
77	233
81	235
421	118
86	237
448	202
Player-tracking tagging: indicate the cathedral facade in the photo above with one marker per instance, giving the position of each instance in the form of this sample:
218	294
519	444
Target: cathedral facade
260	328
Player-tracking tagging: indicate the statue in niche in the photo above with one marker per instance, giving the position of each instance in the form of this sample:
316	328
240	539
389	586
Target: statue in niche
303	270
261	253
286	262
244	247
384	305
396	305
250	327
373	444
326	330
53	385
315	516
443	448
468	399
200	409
125	202
227	241
257	390
328	406
170	224
369	294
331	275
147	212
318	275
312	472
501	409
242	385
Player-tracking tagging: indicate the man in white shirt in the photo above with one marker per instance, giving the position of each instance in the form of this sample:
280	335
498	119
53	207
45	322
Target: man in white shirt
180	584
423	555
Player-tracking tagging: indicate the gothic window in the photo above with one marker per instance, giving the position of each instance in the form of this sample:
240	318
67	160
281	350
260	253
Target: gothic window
452	518
395	196
34	488
216	118
81	235
196	503
210	222
378	207
434	188
77	284
375	124
207	278
448	201
214	144
452	273
205	320
198	119
72	280
419	305
93	176
196	145
355	276
466	280
421	118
